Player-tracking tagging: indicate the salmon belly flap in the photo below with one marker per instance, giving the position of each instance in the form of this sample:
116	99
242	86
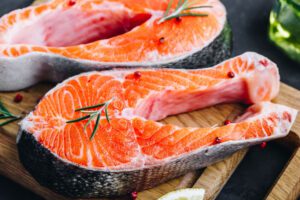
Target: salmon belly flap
131	138
62	38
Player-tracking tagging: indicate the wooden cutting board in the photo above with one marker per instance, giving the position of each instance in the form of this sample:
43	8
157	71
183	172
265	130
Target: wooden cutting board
212	178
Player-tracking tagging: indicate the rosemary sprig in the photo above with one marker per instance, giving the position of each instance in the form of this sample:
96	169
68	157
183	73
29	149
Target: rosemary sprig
183	5
5	114
92	114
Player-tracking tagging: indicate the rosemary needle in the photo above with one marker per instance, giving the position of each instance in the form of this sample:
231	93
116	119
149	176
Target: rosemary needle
106	113
9	121
196	7
96	127
90	107
169	7
79	119
5	114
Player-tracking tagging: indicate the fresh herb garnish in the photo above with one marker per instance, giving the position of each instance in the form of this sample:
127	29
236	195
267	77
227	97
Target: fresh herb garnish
6	116
92	114
182	10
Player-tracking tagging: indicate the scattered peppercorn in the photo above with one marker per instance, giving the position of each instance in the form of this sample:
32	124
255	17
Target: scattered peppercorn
218	140
230	74
264	62
263	145
227	121
137	75
18	98
161	40
134	195
287	116
72	2
178	19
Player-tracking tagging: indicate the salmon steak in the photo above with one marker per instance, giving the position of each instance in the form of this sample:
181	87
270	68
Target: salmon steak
61	38
96	134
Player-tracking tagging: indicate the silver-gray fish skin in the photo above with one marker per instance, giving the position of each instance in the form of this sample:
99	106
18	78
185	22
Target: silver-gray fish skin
78	182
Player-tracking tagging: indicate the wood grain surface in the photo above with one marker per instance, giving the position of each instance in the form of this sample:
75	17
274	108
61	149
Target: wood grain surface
212	178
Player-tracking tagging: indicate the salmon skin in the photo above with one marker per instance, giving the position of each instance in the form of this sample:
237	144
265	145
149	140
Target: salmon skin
59	39
133	152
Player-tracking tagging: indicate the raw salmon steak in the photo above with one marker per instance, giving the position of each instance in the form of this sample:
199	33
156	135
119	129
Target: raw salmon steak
53	41
130	151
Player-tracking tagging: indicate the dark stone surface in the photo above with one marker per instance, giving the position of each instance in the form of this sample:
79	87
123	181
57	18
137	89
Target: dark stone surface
253	178
8	5
249	21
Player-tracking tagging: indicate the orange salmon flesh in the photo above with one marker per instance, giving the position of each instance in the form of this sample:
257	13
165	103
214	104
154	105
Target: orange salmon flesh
109	30
133	138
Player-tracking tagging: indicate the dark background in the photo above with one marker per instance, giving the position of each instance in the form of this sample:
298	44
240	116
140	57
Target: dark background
261	167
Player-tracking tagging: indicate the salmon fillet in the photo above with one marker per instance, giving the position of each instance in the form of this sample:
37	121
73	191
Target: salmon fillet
153	95
99	34
101	19
132	146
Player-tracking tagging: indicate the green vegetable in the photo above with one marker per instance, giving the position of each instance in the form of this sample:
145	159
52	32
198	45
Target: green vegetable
284	30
